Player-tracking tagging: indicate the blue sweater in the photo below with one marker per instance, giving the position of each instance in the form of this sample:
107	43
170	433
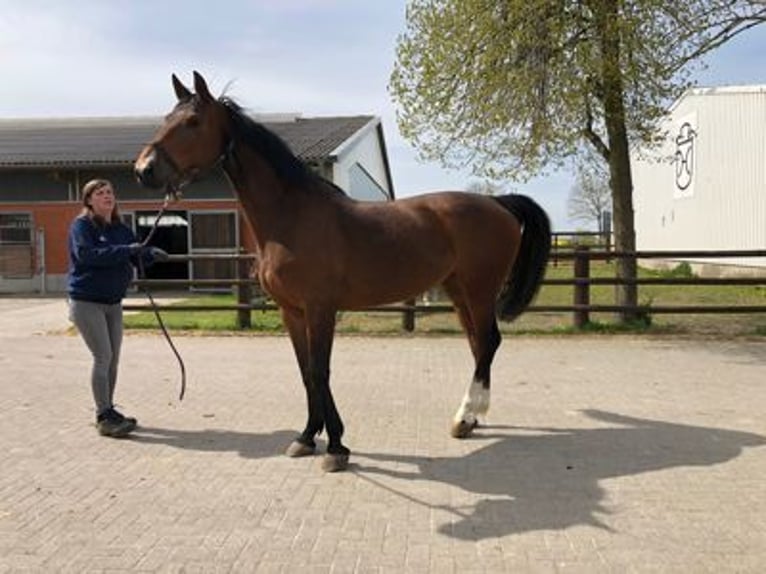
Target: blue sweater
100	262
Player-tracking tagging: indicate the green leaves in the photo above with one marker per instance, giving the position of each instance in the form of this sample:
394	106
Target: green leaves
509	88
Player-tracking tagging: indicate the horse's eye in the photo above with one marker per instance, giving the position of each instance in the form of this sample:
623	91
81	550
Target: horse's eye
191	121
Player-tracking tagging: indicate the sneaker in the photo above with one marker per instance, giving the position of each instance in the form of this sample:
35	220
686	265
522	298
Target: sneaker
109	424
119	416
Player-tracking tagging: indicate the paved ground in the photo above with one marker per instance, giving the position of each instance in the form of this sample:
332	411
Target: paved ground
36	316
604	455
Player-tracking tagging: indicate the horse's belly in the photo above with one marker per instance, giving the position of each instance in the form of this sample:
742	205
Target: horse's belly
391	287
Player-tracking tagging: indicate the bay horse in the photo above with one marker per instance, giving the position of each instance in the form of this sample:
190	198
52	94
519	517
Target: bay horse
321	251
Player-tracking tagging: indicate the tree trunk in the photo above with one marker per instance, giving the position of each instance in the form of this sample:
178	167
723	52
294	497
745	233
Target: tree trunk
624	229
621	180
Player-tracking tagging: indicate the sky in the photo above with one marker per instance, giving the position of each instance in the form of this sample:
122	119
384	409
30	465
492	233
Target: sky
90	58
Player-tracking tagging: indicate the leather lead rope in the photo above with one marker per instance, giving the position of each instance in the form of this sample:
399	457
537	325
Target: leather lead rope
142	275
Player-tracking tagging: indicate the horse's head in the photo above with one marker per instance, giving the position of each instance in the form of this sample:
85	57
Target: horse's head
189	143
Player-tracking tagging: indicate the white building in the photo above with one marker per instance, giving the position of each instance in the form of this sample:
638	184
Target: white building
704	188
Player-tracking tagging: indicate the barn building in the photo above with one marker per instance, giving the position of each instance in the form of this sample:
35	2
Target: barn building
45	162
704	188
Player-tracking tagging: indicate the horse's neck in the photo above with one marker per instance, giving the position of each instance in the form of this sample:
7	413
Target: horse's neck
259	190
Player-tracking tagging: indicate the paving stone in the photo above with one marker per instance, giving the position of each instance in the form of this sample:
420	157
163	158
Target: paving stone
601	454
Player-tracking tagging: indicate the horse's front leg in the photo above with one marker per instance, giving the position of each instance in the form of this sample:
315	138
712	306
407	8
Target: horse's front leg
321	331
303	445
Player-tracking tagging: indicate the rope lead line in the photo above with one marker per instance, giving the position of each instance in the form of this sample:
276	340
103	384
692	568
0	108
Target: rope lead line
142	275
170	342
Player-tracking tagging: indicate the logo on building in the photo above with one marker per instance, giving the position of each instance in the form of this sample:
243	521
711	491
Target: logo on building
684	157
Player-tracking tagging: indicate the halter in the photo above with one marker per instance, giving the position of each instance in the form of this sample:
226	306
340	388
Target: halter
173	191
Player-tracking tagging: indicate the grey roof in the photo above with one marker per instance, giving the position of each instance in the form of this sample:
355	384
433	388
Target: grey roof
77	142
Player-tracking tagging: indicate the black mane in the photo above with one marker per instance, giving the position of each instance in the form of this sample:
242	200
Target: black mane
268	144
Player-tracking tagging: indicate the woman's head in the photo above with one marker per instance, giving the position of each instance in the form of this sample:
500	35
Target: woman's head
99	201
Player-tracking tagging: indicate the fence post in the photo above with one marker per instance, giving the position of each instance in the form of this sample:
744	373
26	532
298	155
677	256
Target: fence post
408	316
244	293
581	289
606	229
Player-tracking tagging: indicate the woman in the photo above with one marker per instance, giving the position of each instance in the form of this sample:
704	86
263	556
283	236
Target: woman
102	253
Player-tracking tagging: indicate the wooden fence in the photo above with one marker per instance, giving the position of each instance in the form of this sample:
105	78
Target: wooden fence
581	282
563	242
247	289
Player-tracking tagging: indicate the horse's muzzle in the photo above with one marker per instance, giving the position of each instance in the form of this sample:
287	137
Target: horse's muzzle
146	169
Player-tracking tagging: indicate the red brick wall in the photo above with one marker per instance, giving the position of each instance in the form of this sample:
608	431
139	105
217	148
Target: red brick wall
55	219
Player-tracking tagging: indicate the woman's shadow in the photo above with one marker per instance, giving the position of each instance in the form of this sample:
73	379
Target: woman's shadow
248	445
539	478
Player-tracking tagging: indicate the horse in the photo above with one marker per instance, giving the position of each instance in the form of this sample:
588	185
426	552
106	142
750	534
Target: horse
321	252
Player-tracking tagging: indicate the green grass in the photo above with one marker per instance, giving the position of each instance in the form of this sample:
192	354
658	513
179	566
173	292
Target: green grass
529	323
266	321
659	295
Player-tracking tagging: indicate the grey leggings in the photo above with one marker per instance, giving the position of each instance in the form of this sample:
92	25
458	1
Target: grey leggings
101	327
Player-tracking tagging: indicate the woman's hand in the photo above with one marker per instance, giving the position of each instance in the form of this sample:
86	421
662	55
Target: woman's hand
159	254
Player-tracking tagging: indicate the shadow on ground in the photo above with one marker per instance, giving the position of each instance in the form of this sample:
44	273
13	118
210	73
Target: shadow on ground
533	478
548	478
248	445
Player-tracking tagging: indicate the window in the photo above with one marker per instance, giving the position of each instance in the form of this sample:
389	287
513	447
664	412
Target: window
214	233
363	186
16	245
15	228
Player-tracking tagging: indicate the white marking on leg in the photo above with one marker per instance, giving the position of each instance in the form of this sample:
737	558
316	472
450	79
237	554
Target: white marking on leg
475	403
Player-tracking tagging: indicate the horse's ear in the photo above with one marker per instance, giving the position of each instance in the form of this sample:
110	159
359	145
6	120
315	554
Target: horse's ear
182	92
200	86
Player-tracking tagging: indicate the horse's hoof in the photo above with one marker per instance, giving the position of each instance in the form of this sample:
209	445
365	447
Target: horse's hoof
334	462
463	429
298	449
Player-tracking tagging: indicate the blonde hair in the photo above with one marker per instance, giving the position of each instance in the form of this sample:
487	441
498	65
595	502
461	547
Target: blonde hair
87	191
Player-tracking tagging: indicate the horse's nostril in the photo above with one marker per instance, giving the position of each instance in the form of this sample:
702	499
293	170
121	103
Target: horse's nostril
145	173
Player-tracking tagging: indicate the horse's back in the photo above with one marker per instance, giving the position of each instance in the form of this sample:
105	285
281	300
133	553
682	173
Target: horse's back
438	222
453	208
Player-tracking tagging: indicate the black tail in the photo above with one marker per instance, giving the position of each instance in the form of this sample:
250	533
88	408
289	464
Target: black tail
529	268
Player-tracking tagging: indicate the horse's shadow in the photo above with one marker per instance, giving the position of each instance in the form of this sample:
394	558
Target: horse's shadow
532	478
541	479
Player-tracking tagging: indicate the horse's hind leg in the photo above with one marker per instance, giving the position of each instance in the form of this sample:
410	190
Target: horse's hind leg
479	322
304	444
475	403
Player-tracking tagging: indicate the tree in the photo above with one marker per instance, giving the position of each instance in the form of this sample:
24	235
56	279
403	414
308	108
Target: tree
513	88
590	196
